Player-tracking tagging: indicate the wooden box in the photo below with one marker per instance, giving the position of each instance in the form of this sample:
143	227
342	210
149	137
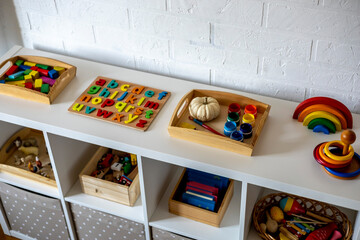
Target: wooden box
61	82
105	189
196	213
7	161
203	136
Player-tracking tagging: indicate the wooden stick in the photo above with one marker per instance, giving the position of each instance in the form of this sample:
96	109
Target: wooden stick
306	218
306	222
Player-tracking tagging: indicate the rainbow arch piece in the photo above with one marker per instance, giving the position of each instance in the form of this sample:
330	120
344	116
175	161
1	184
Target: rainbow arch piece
329	113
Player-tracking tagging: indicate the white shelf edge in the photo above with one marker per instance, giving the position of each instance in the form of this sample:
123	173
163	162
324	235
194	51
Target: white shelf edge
134	213
229	226
29	185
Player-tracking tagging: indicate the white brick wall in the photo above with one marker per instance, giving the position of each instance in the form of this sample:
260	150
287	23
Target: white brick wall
290	49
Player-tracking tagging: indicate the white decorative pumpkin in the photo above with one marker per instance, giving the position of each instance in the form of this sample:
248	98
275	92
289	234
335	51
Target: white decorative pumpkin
204	108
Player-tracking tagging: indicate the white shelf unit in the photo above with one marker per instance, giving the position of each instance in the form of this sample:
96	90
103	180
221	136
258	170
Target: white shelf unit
282	159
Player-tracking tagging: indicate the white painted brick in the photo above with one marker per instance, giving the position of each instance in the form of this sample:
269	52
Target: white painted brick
351	5
356	107
218	58
313	21
304	2
356	87
170	68
254	84
23	19
341	96
333	79
129	42
49	25
99	54
43	42
40	6
248	13
153	4
293	72
338	54
94	12
171	26
257	41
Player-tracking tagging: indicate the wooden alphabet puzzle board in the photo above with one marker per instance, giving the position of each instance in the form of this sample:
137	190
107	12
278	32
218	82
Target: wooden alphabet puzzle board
120	102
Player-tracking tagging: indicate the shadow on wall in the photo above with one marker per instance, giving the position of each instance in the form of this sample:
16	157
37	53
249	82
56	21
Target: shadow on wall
9	26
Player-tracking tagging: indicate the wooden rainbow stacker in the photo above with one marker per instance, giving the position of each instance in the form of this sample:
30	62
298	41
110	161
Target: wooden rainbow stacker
120	102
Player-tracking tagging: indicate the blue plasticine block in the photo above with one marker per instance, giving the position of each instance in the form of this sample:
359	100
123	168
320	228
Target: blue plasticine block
53	74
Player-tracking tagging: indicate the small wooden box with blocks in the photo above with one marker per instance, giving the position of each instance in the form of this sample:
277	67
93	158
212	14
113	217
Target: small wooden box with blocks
112	175
25	155
35	78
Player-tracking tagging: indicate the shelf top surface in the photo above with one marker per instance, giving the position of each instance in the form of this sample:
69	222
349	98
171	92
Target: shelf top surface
282	158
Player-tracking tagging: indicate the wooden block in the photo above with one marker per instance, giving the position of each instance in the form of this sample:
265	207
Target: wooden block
31	64
12	70
17	74
28	78
43	66
23	67
20	83
19	62
35	74
38	84
2	81
34	68
14	79
29	85
45	88
60	70
53	74
27	72
48	80
43	72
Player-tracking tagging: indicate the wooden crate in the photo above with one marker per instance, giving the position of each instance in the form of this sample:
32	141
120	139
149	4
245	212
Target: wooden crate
21	92
7	161
203	136
105	189
196	213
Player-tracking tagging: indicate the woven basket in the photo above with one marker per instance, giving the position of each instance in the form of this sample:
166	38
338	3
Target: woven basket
319	208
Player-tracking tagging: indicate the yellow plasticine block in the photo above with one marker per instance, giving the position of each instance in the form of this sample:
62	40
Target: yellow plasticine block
31	64
60	70
35	74
323	114
28	78
38	83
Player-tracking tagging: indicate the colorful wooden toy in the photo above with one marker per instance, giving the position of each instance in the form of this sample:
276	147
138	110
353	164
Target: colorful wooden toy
19	62
60	70
291	206
17	74
45	88
38	84
326	108
53	74
12	70
42	66
323	233
31	64
338	158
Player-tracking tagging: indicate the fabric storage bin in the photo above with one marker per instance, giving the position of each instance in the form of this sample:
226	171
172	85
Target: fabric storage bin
93	224
34	215
159	234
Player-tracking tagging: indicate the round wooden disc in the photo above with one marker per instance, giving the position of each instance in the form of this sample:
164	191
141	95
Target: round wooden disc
350	171
323	162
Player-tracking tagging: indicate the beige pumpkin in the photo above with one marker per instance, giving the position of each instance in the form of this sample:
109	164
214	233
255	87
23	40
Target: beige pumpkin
204	108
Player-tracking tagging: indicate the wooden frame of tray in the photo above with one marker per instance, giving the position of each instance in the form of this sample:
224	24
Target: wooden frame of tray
19	172
198	214
203	136
21	92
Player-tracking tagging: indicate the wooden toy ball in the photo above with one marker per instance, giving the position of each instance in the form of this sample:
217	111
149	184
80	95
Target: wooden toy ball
289	205
347	137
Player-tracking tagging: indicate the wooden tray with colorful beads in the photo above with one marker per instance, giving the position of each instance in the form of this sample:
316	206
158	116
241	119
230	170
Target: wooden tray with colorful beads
319	208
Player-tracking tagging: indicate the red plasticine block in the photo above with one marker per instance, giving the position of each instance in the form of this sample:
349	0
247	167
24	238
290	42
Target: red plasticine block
12	70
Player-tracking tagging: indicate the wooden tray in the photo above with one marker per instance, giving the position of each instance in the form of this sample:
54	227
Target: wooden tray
21	92
105	189
203	136
7	160
199	214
